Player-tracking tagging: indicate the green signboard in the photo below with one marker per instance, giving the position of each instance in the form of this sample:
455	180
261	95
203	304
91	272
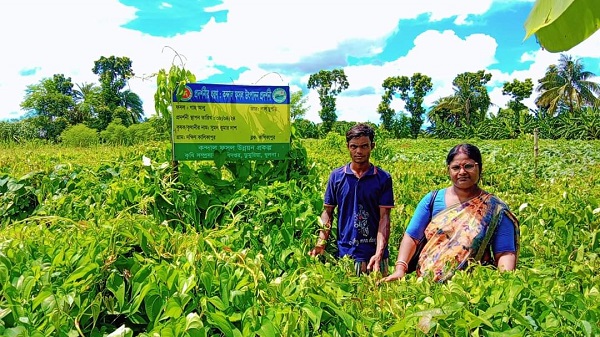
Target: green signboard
248	122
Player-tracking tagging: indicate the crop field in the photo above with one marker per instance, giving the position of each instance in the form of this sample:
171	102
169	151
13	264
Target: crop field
112	241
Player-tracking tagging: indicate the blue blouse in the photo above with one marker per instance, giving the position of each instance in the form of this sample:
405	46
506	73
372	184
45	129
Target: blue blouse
502	241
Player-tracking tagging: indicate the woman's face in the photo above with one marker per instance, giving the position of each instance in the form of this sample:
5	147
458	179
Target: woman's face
464	171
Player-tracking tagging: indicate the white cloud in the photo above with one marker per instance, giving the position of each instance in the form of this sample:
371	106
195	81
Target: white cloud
67	36
588	48
254	30
439	55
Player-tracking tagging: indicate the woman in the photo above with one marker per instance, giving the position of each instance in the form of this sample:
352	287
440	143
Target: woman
460	224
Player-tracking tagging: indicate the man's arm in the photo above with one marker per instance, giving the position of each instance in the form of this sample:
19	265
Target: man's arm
326	218
383	235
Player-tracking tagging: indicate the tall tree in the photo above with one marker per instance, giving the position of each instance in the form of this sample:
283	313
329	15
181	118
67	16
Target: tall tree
114	72
470	93
298	106
567	86
328	84
390	86
511	122
518	91
51	97
50	102
411	90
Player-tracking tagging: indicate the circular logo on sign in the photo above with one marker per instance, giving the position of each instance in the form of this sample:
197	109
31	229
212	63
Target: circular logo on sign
187	94
279	95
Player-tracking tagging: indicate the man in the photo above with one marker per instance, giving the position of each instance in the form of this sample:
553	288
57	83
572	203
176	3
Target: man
364	197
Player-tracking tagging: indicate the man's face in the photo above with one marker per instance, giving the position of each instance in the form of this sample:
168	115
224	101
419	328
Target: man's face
360	149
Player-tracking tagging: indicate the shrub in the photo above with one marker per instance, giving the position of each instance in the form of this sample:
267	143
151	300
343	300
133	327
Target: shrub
161	126
141	132
79	135
116	133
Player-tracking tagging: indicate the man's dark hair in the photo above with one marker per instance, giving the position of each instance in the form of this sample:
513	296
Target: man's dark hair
360	130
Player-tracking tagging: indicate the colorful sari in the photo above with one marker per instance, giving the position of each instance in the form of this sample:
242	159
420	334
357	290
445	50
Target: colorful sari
462	233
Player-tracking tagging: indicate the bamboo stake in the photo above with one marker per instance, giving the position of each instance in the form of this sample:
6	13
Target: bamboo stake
535	151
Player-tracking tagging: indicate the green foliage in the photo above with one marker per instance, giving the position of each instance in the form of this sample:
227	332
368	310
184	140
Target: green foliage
166	85
466	108
334	142
88	99
583	126
49	128
17	197
132	103
305	128
51	98
51	103
411	90
142	132
19	131
160	126
401	127
114	72
116	134
342	127
298	106
116	245
471	95
518	91
79	135
560	25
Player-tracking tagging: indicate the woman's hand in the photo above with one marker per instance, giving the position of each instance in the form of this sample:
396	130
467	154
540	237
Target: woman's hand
398	274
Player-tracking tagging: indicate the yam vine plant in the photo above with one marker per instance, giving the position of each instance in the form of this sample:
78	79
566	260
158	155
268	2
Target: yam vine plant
108	243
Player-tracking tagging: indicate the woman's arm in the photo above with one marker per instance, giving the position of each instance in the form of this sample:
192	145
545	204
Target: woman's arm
506	261
405	253
415	229
504	244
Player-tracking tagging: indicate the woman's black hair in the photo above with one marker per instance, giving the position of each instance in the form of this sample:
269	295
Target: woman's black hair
360	130
470	150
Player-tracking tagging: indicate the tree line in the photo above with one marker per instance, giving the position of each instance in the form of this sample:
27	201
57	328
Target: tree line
567	106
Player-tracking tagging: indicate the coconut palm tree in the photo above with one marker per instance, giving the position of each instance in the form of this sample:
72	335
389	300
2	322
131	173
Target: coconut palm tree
445	110
567	86
134	105
469	104
87	100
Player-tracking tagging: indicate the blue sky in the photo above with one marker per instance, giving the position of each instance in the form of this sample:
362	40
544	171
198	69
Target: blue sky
276	42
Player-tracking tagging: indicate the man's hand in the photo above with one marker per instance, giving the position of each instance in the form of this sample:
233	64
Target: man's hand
318	250
374	263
